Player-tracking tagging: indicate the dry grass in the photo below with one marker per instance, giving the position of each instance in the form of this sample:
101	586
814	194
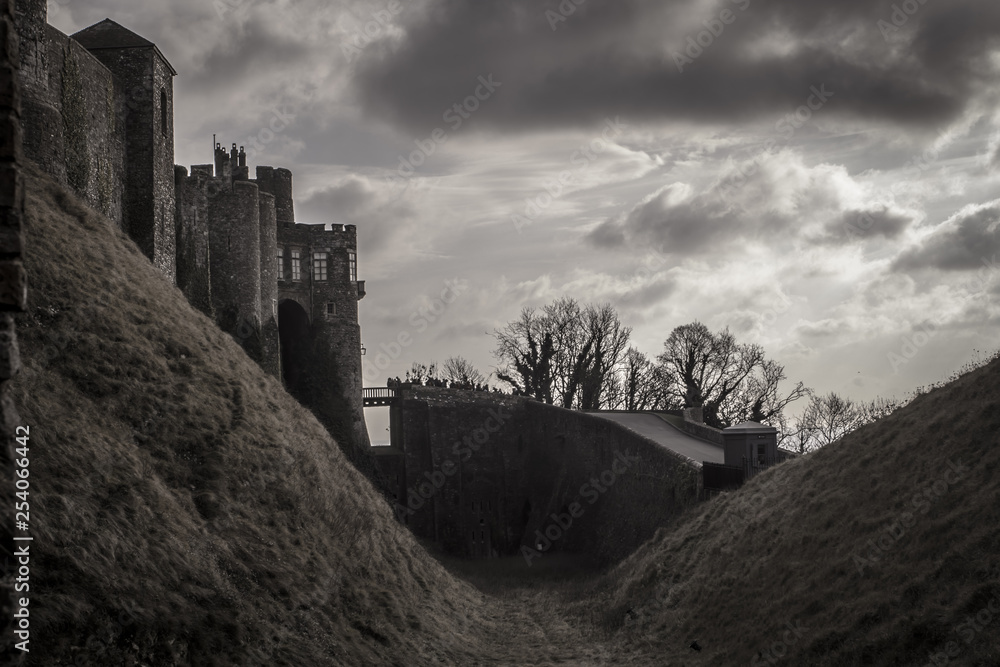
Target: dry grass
186	510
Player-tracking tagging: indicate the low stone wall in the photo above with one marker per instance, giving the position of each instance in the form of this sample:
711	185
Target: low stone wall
488	475
699	430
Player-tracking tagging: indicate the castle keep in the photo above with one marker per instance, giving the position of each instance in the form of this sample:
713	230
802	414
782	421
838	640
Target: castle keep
287	291
98	117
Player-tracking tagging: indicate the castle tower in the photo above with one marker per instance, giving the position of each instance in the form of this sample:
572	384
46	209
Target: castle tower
193	249
318	294
30	20
287	292
234	256
40	108
147	80
270	340
283	195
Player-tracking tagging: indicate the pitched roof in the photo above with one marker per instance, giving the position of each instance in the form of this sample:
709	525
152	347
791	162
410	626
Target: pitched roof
750	426
110	35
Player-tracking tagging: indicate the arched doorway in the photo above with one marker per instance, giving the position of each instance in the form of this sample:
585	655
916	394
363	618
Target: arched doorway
295	336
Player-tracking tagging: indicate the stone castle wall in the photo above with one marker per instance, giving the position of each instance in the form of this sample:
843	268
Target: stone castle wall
507	465
271	360
193	256
74	114
101	122
229	229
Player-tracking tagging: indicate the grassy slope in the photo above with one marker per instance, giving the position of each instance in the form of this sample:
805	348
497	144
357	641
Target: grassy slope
781	550
185	507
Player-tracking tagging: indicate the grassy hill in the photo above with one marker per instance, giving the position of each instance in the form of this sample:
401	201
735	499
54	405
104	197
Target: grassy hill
186	510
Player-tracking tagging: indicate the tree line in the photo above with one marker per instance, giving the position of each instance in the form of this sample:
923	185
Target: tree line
579	356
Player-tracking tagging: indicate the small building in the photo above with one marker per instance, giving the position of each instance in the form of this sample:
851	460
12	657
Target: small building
752	443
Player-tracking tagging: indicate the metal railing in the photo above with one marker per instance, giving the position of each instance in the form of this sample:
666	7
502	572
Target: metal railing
377	396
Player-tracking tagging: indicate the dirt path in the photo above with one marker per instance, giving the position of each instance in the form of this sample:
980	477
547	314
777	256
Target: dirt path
538	617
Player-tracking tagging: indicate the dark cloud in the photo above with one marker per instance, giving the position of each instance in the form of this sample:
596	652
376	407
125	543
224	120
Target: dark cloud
256	48
638	300
699	225
859	225
966	242
354	201
615	57
687	228
773	196
610	234
994	162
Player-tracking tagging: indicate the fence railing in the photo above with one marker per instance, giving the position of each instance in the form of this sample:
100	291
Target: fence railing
377	396
378	392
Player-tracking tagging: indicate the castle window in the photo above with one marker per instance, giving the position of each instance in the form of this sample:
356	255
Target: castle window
352	267
331	308
319	266
163	112
296	265
281	263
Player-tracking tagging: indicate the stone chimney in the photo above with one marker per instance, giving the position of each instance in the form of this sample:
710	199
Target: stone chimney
694	414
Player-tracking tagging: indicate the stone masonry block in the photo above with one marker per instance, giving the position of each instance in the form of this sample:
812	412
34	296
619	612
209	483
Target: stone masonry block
10	136
11	185
10	360
10	89
9	419
11	238
9	42
13	286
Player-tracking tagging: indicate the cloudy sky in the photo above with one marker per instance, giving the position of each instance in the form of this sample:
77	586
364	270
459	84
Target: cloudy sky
821	177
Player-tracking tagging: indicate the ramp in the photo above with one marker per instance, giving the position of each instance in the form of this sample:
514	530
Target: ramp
667	435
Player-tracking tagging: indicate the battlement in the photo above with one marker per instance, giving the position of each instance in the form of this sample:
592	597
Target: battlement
320	228
230	167
232	164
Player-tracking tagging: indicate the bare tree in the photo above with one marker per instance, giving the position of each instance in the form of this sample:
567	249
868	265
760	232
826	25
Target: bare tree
525	349
608	339
572	347
635	386
758	398
825	420
459	371
705	369
565	353
829	418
